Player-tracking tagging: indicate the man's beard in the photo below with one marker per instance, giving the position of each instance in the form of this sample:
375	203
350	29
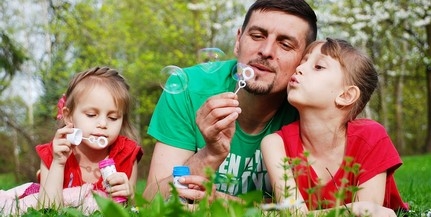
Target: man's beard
259	89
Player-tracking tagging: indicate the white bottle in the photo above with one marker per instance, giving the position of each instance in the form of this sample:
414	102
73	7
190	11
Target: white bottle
107	168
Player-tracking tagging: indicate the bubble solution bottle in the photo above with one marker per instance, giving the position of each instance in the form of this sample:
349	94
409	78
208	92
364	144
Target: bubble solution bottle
177	173
107	168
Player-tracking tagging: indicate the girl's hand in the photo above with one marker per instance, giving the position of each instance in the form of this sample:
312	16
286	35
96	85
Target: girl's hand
366	208
119	185
61	147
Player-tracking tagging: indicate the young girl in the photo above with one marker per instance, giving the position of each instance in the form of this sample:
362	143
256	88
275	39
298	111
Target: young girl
97	102
328	150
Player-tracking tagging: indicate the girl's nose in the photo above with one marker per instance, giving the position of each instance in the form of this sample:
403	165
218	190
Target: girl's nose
299	69
102	123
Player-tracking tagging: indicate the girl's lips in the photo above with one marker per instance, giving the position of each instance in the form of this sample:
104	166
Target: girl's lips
293	79
99	135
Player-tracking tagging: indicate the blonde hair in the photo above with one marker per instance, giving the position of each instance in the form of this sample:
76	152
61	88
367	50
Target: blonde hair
117	86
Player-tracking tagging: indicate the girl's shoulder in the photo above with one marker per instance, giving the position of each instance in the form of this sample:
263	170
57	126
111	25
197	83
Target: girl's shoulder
365	125
125	147
367	132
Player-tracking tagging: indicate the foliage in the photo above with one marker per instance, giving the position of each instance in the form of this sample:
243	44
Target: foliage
12	57
139	38
413	191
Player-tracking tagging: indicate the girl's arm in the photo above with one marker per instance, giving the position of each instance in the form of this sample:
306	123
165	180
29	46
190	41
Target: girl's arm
369	199
51	180
373	190
280	173
51	188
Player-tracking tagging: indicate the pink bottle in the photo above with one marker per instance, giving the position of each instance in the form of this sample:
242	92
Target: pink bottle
107	167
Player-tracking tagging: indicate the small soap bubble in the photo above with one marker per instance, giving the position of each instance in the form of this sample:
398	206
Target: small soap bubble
173	79
242	72
209	59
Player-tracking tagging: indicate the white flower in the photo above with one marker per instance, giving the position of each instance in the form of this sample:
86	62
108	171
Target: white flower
286	203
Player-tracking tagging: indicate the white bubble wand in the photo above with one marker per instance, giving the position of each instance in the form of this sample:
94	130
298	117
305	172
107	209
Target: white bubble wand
76	137
244	73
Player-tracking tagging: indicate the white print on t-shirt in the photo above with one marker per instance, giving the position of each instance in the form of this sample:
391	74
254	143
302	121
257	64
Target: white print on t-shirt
248	174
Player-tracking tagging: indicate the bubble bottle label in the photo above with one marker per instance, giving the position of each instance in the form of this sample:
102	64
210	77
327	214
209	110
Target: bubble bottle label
177	173
107	168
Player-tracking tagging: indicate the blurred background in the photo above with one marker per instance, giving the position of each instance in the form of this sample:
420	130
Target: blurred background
44	42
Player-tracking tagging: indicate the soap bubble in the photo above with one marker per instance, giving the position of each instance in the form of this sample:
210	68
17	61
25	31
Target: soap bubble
209	59
173	79
242	72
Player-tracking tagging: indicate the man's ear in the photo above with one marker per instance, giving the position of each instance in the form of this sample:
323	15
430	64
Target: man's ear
67	116
348	96
238	37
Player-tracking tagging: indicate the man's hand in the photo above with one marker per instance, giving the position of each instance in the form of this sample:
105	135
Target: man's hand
216	121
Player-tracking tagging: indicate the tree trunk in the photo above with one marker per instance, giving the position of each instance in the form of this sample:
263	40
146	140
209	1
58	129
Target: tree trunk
399	135
427	147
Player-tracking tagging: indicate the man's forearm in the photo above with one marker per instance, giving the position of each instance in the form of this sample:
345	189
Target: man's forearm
161	186
204	159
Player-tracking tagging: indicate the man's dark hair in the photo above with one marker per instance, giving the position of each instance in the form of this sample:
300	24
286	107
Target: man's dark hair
298	8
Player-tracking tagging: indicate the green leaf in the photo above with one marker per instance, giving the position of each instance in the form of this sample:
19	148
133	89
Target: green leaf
109	208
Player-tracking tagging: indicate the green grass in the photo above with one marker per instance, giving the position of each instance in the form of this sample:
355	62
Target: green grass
7	181
414	181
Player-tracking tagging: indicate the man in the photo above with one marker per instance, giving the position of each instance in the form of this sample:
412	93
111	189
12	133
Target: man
209	126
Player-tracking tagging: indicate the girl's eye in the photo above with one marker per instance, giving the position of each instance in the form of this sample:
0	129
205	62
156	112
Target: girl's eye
91	115
113	118
318	67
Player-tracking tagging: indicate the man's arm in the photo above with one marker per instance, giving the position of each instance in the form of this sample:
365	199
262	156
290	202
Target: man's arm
216	121
164	159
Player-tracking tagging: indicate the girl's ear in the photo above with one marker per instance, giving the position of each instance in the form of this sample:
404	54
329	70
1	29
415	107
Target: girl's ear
67	116
348	97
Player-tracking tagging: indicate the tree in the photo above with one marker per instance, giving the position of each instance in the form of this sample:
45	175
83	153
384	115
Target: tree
11	59
137	38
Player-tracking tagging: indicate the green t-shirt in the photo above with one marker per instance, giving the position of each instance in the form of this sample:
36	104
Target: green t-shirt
174	123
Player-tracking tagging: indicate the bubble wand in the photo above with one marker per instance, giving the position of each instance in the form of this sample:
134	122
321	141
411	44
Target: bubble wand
244	73
76	137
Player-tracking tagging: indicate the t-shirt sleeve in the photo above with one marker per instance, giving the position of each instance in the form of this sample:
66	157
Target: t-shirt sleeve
45	153
378	154
173	120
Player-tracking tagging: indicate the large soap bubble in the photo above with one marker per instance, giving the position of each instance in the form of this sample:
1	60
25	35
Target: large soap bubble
209	59
173	79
